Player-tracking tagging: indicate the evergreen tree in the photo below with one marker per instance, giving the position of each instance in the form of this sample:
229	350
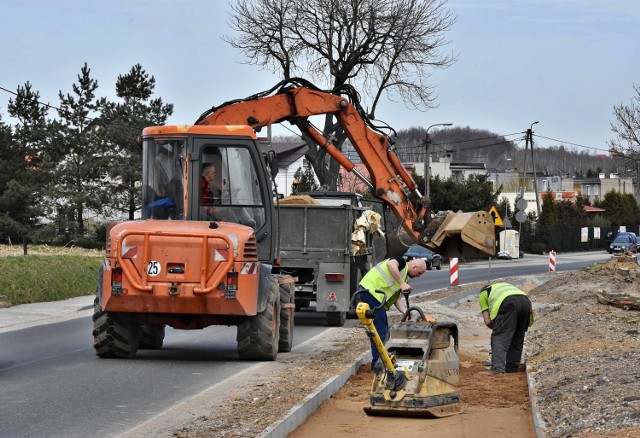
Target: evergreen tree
80	172
473	194
124	122
304	180
29	159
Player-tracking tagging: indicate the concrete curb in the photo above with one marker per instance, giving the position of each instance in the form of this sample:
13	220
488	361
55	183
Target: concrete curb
538	422
299	413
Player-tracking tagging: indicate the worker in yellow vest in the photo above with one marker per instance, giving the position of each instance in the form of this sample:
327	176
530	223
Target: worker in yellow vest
390	276
507	311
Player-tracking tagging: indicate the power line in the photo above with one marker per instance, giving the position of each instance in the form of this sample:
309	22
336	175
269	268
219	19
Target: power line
563	142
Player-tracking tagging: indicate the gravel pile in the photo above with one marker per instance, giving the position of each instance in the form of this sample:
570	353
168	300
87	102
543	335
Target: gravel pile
584	357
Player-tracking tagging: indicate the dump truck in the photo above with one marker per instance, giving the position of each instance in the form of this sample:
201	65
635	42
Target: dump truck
205	248
322	257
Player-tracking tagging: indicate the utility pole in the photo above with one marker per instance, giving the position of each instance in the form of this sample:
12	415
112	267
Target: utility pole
533	165
427	147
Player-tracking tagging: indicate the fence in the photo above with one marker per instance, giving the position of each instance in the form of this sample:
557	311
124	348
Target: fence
570	240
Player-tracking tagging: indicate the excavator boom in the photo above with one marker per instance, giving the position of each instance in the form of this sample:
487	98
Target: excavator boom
471	235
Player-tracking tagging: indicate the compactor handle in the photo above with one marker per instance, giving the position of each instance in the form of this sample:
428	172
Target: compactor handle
351	314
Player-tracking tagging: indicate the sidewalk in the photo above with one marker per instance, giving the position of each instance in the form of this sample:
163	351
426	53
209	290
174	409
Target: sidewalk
29	315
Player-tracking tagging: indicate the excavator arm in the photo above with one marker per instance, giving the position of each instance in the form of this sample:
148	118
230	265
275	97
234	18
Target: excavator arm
452	234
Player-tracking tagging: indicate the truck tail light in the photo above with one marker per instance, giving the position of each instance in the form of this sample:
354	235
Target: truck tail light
334	276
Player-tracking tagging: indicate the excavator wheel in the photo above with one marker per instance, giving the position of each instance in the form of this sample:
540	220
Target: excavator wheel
151	336
114	335
258	336
286	319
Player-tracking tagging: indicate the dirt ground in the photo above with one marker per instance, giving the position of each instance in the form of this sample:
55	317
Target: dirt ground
582	357
497	406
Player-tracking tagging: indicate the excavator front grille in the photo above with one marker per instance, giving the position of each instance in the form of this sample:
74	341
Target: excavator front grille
251	249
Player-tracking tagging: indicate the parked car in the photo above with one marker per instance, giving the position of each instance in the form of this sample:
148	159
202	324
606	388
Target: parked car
624	242
434	261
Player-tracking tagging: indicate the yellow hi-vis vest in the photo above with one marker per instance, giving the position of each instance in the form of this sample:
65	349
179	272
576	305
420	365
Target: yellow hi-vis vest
493	300
380	278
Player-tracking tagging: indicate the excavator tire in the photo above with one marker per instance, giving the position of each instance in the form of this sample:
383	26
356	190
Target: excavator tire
114	335
286	319
258	336
151	336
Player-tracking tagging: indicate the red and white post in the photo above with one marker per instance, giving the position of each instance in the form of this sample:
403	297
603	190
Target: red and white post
453	271
552	261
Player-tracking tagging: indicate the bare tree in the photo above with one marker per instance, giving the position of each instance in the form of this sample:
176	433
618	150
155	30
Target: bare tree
383	47
627	129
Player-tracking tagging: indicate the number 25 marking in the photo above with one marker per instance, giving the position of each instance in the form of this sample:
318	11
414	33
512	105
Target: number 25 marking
153	268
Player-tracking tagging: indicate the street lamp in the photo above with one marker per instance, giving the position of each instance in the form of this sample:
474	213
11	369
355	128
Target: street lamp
426	158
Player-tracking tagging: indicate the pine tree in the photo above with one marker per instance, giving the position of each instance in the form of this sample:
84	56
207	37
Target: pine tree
124	122
80	172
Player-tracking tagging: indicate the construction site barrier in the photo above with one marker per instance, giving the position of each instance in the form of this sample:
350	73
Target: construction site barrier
453	271
552	261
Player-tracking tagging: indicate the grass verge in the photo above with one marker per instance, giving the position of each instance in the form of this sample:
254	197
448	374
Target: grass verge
41	278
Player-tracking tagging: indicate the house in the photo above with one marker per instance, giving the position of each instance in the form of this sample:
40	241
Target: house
444	168
290	157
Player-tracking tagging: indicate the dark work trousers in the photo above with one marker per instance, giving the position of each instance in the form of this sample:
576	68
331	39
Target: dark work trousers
379	321
507	338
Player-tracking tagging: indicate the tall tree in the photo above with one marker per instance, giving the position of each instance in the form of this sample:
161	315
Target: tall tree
382	47
80	172
627	129
23	196
124	122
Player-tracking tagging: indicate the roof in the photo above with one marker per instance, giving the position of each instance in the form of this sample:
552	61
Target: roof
480	166
288	153
590	209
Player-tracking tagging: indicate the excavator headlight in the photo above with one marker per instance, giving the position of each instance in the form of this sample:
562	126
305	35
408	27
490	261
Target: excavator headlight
116	281
232	281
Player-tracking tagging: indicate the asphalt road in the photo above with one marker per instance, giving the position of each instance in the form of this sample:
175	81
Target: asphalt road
52	384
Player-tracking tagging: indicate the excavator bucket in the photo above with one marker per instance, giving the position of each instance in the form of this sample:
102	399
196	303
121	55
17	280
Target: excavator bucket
461	234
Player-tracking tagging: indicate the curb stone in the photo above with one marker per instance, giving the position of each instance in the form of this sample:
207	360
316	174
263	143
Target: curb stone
299	413
538	422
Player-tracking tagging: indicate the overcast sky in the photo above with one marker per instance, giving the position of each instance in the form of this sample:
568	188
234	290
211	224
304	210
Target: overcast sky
565	63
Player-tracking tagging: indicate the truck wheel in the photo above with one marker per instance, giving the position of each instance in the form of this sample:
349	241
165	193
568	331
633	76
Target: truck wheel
286	319
336	319
151	336
258	336
114	335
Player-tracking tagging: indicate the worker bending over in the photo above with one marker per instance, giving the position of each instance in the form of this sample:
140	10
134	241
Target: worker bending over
507	311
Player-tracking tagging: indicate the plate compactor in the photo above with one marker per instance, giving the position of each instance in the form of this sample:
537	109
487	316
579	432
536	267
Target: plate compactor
418	372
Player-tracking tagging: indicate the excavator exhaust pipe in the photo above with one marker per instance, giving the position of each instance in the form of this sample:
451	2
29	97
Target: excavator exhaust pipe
460	234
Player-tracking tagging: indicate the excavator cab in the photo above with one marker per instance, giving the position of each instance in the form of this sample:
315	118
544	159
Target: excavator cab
208	173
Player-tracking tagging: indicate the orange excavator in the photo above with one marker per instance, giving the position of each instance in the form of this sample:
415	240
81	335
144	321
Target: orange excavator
205	250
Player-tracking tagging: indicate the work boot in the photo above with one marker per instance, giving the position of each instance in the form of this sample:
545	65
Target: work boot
490	372
486	362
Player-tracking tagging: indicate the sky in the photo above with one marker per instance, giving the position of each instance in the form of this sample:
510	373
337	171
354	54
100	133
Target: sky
564	63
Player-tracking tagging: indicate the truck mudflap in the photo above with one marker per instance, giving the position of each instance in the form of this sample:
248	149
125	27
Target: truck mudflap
460	234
